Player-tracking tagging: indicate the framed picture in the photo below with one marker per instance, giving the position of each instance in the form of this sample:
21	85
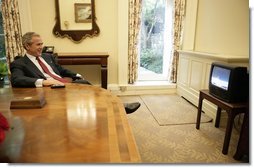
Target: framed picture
83	12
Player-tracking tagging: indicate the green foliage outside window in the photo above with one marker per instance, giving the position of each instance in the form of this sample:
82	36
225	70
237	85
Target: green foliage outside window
3	69
152	32
151	60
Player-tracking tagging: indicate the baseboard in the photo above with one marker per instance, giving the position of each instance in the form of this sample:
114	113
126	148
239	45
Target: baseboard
209	108
141	89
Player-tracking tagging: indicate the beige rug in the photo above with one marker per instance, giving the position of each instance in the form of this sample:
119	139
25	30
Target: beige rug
172	110
178	144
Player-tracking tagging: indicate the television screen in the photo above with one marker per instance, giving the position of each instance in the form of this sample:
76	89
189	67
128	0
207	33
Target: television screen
220	77
229	82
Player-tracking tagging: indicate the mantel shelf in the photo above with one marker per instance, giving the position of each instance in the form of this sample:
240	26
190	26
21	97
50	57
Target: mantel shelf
219	57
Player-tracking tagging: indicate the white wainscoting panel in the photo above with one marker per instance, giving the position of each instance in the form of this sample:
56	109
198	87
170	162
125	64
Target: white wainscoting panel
184	66
193	75
196	75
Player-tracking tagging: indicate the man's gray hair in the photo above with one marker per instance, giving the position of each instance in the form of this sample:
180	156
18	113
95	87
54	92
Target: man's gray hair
27	38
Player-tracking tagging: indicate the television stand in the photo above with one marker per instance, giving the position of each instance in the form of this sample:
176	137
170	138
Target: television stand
243	144
232	110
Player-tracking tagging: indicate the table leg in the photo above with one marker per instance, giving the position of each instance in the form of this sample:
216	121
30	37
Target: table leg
199	110
104	73
104	77
217	121
243	142
229	127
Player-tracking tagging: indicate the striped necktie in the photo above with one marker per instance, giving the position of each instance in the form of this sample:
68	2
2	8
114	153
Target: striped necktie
46	70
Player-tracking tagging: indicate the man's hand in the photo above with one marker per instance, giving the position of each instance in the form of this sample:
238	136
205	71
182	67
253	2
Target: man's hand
79	77
50	82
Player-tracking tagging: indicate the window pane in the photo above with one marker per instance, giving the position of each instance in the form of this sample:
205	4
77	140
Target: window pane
152	33
1	20
155	43
2	46
2	42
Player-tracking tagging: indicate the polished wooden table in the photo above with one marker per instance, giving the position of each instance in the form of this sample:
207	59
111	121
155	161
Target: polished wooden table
87	59
78	124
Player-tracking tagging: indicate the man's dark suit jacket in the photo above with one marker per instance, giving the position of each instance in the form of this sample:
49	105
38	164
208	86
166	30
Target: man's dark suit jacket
24	73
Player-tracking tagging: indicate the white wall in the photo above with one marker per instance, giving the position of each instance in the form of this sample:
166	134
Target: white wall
217	26
223	27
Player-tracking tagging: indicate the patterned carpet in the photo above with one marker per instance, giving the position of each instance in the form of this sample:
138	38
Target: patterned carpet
173	110
177	143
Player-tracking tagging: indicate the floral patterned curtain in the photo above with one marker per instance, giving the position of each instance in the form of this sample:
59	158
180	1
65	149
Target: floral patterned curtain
12	29
134	28
179	12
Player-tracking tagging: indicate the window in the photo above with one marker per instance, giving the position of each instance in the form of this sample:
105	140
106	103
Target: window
2	42
155	40
3	62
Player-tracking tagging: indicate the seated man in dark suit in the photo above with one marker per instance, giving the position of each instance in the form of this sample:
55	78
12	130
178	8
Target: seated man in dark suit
38	70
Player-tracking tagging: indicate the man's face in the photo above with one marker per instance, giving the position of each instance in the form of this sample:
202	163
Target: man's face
35	48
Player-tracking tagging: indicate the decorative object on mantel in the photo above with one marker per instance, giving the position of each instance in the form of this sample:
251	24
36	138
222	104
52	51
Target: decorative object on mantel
76	28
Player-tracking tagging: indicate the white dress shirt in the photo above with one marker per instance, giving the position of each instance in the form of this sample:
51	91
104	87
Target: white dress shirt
38	82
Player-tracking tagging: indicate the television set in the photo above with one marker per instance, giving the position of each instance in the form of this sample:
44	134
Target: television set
228	82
